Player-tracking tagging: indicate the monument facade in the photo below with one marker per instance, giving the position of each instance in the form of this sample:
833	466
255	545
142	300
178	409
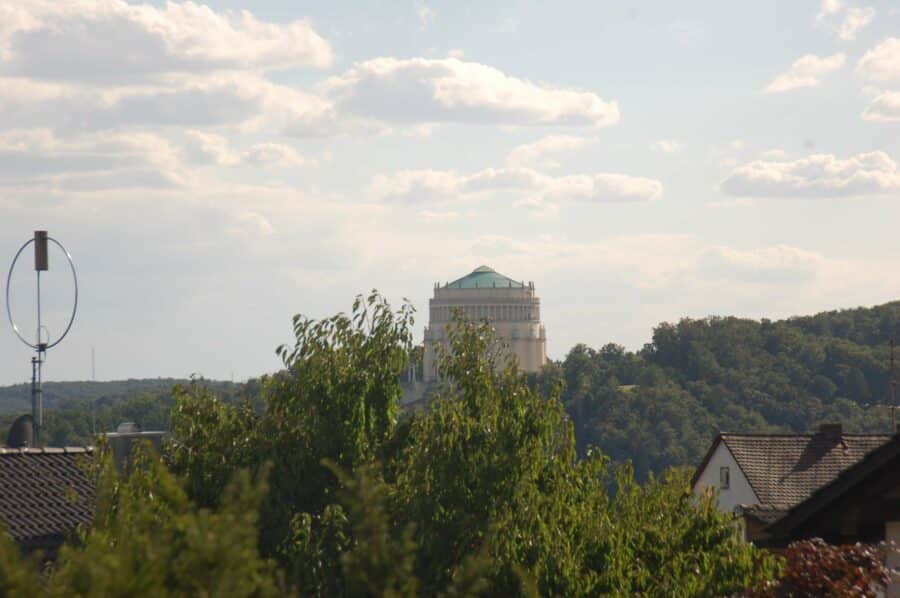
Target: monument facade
511	306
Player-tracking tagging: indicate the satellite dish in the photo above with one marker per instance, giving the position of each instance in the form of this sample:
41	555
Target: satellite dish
21	433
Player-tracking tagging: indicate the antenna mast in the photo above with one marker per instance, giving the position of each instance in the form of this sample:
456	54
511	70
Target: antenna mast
42	337
893	391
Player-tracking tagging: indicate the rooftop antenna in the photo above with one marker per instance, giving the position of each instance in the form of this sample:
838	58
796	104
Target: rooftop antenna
42	336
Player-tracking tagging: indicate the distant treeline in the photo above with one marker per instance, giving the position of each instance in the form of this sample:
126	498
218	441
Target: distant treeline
662	405
657	407
17	398
74	411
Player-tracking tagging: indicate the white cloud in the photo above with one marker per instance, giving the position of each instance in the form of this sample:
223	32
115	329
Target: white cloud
819	175
37	159
774	154
113	41
881	63
533	189
845	22
885	107
806	71
216	149
226	99
425	14
604	187
416	185
212	148
661	262
727	162
249	225
666	146
828	9
276	154
533	154
429	216
854	21
777	264
451	90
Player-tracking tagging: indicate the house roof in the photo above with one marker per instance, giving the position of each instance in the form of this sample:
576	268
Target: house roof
44	493
878	461
484	277
765	513
784	469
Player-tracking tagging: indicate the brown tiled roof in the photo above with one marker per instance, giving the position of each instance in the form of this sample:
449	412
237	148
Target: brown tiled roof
44	494
764	513
879	465
784	469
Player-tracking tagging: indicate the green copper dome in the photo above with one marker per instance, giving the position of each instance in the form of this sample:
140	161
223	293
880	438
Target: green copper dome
483	277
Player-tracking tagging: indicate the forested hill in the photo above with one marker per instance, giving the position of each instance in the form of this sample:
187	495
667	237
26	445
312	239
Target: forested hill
74	411
17	398
663	405
659	406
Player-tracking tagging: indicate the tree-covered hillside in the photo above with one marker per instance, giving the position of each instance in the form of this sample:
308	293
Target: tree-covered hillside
17	398
662	405
657	407
74	411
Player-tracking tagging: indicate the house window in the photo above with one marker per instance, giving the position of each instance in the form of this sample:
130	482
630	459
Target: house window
724	478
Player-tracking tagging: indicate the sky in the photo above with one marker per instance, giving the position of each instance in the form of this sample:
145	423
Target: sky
216	168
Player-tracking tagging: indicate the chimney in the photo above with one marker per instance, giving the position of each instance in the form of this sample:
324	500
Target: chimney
831	431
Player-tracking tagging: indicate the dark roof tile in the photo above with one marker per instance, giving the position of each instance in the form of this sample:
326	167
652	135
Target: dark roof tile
44	492
784	469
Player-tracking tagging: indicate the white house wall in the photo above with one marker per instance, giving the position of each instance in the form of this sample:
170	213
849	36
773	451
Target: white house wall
739	491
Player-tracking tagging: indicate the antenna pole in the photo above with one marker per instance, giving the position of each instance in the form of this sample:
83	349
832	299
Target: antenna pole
41	264
34	395
893	391
36	384
39	397
94	400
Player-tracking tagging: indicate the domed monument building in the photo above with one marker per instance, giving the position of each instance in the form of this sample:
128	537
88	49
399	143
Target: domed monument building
511	306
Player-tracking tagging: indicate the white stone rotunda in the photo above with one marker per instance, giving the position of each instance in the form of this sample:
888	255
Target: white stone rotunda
510	305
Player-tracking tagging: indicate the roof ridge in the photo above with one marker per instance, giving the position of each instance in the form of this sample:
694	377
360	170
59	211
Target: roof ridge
45	450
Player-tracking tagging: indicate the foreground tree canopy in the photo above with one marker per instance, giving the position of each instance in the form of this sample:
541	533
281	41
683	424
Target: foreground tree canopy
321	488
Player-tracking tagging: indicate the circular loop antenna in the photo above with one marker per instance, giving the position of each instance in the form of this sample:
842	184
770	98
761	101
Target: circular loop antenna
9	307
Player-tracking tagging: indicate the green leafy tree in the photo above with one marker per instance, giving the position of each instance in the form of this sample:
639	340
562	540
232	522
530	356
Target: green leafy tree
148	538
659	540
210	441
492	467
336	401
19	575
